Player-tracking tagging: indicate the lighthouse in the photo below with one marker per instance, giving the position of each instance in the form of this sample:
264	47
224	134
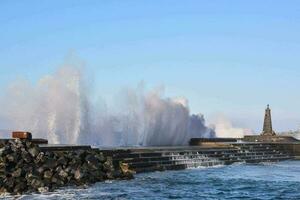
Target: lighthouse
267	129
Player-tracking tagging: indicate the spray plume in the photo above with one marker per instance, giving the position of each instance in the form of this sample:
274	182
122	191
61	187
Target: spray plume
60	109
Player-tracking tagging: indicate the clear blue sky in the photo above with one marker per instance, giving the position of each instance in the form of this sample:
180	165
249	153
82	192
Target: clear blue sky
231	57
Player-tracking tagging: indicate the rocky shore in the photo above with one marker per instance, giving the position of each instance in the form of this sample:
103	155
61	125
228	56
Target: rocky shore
24	168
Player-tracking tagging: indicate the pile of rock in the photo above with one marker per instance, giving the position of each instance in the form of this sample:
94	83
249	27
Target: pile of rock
25	168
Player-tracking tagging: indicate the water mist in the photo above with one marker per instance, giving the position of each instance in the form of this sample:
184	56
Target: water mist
59	108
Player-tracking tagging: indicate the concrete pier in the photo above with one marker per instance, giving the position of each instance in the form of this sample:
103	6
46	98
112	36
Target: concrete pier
182	157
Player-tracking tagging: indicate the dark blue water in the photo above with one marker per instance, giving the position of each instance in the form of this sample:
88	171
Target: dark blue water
263	181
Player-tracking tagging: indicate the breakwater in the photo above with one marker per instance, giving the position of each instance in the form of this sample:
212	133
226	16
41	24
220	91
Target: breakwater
25	167
175	158
32	165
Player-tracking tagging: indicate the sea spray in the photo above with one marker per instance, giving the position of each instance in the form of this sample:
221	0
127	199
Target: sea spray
55	108
146	118
59	107
224	128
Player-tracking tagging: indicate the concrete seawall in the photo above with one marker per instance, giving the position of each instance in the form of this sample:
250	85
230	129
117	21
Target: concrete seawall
292	148
208	154
35	166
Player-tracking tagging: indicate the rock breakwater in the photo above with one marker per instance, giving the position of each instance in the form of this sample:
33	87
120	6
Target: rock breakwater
24	168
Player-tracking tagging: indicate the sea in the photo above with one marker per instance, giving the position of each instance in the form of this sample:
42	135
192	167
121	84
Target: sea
264	181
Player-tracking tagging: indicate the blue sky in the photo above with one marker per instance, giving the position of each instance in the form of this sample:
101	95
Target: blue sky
230	57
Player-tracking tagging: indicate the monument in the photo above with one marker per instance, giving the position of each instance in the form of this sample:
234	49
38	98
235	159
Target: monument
268	135
267	129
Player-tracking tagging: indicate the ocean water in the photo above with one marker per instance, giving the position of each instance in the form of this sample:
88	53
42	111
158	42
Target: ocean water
239	181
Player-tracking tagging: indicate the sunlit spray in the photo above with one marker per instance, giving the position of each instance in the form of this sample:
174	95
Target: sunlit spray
59	108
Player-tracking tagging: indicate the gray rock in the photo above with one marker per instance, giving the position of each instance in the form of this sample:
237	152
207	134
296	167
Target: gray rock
108	165
63	174
26	156
47	174
101	157
92	161
17	173
23	168
3	190
19	187
11	157
40	170
34	151
40	158
8	182
36	183
43	189
57	180
62	161
50	163
79	174
2	151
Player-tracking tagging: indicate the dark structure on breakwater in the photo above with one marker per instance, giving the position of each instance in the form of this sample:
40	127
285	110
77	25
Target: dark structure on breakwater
268	134
267	129
33	165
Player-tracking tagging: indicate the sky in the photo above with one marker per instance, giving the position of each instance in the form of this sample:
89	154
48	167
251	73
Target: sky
226	57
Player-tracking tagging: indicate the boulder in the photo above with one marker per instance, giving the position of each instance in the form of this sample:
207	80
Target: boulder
36	183
63	173
17	173
50	163
62	161
48	174
25	168
34	151
43	189
26	157
78	174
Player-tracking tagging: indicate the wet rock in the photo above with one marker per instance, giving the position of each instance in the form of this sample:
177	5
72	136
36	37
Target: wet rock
75	161
40	170
19	188
26	156
92	161
2	166
109	175
62	161
30	176
57	180
108	165
11	157
17	173
98	175
2	151
62	173
50	163
34	151
48	174
78	174
24	168
40	158
3	190
100	157
43	189
8	182
36	183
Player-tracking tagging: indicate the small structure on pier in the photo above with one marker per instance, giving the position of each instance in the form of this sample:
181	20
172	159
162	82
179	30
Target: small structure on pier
268	134
267	129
